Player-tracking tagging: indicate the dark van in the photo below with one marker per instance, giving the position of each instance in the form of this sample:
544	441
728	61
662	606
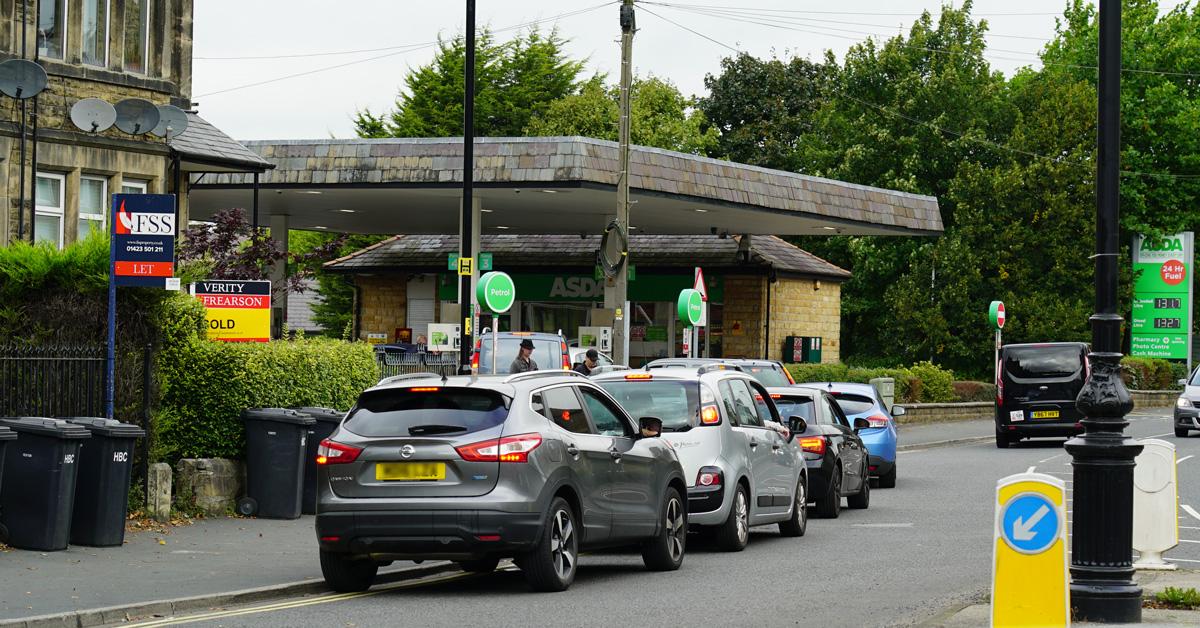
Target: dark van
1036	390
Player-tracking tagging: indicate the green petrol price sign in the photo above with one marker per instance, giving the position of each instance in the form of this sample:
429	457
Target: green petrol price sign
691	306
1161	323
496	292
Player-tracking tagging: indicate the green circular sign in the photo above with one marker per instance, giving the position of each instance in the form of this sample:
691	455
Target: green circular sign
691	306
496	292
996	314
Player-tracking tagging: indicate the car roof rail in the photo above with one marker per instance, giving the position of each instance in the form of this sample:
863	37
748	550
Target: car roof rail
399	378
719	366
534	374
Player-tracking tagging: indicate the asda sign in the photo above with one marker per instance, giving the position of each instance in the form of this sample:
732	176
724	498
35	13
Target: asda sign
1161	320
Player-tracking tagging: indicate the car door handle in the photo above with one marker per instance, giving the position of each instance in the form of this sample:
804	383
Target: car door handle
572	449
616	455
776	447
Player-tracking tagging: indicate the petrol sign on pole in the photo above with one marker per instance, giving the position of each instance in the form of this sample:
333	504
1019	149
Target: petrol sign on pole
1029	559
236	310
1161	324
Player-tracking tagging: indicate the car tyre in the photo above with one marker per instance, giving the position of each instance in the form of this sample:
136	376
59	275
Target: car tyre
734	534
551	565
888	480
345	574
830	506
1003	441
1181	432
797	524
482	565
665	551
862	500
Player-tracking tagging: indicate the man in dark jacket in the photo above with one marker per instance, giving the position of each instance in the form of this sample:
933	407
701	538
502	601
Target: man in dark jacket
524	360
590	361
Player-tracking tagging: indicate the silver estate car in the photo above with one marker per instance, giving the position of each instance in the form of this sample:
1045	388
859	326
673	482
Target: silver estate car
742	466
536	466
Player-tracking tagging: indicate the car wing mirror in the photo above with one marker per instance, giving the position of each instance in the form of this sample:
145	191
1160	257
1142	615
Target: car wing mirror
898	411
1182	382
861	424
650	427
797	425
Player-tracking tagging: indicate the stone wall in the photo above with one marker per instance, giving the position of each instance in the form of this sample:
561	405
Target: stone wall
918	413
745	300
383	303
1146	399
806	307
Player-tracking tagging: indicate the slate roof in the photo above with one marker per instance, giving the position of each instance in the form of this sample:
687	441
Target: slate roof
206	143
659	251
532	160
299	308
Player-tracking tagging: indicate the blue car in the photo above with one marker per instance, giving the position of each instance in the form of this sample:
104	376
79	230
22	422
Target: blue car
862	401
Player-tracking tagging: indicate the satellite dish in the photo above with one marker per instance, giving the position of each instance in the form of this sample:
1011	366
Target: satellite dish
21	79
93	115
172	121
136	116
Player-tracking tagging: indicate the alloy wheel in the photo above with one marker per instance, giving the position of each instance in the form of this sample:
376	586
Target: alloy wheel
802	503
675	529
743	517
562	544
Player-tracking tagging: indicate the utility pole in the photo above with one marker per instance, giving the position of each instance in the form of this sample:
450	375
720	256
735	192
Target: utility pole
465	239
619	295
1102	587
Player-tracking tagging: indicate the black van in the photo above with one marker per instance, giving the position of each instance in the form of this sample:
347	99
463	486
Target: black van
1036	390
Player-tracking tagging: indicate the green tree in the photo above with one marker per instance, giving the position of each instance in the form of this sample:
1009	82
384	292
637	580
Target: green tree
514	81
335	309
660	116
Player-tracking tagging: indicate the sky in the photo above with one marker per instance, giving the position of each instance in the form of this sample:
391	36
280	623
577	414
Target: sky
357	57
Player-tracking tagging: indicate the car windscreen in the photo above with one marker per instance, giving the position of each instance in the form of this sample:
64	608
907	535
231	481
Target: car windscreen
677	403
854	404
426	411
790	406
1195	381
1042	362
547	354
767	375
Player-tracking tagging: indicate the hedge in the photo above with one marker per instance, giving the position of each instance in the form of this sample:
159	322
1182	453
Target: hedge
1152	373
923	382
205	385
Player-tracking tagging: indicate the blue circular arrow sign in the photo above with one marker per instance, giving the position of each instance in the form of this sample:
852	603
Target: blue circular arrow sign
1030	523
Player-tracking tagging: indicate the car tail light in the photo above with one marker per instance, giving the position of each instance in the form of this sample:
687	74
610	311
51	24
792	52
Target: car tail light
777	397
566	357
877	420
507	449
639	376
815	445
709	476
488	538
710	416
331	539
331	452
999	388
424	389
475	355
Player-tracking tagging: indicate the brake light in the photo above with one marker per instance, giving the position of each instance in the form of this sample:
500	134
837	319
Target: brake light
813	445
424	389
331	452
877	420
566	357
777	396
709	415
708	476
475	355
507	449
639	376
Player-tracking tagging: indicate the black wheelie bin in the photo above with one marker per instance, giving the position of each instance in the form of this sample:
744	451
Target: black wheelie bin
276	441
327	421
38	494
102	490
5	436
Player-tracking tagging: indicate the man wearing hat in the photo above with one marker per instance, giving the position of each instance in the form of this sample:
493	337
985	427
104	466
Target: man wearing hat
524	361
590	361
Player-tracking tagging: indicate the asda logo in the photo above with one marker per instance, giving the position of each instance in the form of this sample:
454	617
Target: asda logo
1163	245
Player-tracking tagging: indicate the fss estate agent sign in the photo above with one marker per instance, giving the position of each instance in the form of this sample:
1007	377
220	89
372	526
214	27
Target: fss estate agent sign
143	231
238	311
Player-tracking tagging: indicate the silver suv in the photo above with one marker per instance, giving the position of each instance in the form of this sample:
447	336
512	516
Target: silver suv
536	466
742	466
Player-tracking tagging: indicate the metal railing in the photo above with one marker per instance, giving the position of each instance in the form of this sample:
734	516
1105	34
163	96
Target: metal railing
51	381
392	363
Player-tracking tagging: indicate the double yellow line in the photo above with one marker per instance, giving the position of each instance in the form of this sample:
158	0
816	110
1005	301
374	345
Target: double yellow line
281	606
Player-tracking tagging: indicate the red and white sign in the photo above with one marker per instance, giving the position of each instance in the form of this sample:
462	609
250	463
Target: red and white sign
1000	316
1173	272
698	285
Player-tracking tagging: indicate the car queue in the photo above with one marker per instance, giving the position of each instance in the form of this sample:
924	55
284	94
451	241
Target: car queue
542	465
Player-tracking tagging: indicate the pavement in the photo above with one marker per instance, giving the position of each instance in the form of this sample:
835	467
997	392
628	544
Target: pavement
921	554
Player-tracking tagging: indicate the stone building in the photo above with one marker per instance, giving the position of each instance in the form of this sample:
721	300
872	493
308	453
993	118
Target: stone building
111	50
755	301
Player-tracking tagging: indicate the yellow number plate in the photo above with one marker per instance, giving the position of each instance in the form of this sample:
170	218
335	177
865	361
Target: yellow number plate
1044	414
410	471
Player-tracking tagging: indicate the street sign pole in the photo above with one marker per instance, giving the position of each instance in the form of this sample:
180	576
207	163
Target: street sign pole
466	311
110	350
496	293
998	317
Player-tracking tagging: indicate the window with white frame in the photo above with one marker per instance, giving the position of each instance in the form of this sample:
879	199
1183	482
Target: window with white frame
137	35
93	199
95	32
134	186
48	214
51	28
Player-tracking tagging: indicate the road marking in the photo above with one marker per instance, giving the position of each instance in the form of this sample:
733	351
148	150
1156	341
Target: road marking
1031	469
1182	560
1050	458
1188	527
1163	434
266	608
1189	510
1187	541
882	525
1184	458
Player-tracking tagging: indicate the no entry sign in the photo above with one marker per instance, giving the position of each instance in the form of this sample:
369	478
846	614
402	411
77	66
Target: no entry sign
143	231
238	311
996	314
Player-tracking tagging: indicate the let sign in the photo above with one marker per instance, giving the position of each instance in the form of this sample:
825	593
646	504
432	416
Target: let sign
143	231
496	292
996	314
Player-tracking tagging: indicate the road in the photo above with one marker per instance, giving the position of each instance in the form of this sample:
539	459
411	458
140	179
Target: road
921	548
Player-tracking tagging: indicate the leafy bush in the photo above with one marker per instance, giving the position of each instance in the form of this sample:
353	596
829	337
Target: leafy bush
911	384
1178	598
937	383
1152	373
974	391
206	385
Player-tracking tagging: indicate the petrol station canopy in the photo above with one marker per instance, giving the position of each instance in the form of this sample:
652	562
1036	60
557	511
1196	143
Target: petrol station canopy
547	185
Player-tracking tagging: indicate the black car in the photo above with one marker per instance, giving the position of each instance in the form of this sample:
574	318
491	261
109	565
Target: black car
767	372
833	452
1036	390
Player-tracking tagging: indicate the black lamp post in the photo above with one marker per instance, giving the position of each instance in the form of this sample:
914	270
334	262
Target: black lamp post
1102	587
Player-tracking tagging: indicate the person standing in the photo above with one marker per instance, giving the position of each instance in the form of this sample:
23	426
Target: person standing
524	360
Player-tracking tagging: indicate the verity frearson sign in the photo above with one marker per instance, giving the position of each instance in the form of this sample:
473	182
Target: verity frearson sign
143	230
1162	297
238	311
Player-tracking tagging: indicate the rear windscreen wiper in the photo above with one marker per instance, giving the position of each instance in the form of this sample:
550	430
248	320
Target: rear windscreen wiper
425	430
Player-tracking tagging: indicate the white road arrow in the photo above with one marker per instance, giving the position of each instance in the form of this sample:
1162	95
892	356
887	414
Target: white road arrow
1023	530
